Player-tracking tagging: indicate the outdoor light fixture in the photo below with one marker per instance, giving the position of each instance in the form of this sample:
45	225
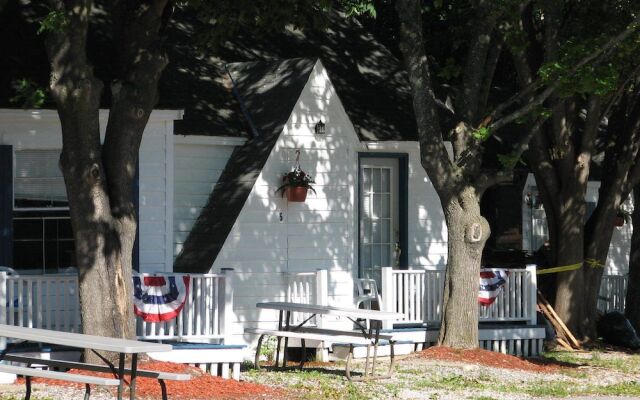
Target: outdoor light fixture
320	128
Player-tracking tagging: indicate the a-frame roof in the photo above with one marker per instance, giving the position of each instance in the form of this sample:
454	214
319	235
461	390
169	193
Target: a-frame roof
267	93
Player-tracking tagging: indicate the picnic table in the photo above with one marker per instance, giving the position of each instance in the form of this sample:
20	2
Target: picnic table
77	340
367	334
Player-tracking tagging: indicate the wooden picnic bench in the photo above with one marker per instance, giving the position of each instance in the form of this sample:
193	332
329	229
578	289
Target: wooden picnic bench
91	342
29	373
368	336
158	375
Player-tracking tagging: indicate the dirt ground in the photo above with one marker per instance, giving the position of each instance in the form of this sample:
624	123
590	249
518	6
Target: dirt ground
435	373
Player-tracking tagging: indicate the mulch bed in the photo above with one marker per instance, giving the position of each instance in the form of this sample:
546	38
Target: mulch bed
487	358
201	385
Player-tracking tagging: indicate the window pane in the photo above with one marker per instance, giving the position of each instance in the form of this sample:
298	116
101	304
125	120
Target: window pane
366	181
385	206
27	255
386	256
376	180
376	232
57	229
366	231
385	185
366	206
375	256
43	241
385	231
28	228
377	205
38	181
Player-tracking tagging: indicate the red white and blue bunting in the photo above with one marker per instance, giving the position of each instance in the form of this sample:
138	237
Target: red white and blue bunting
491	283
159	298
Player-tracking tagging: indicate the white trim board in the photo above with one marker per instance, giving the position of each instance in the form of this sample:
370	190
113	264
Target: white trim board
209	140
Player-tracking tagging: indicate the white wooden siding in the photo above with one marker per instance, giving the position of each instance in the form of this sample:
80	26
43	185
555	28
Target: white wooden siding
272	237
196	170
618	256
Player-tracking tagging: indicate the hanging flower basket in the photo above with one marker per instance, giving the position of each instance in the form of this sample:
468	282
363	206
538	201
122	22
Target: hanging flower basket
297	194
296	183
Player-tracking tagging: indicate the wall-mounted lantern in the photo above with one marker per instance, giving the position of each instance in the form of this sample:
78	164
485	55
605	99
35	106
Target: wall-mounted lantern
320	128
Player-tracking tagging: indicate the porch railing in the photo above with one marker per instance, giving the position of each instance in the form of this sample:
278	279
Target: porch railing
206	313
51	302
40	301
613	291
307	288
417	294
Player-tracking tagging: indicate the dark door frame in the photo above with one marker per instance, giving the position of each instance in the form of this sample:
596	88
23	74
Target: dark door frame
403	202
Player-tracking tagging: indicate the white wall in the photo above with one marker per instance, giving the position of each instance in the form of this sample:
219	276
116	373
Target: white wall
198	163
272	237
618	257
40	129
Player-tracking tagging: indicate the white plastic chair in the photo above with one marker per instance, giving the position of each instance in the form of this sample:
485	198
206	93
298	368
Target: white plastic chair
367	294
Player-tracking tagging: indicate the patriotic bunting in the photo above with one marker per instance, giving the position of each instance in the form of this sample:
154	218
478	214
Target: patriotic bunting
491	284
159	298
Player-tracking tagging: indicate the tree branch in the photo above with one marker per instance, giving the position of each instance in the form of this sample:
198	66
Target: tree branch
489	72
540	98
433	154
476	61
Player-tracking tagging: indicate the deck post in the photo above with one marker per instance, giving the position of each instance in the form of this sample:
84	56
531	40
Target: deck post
226	304
387	294
322	291
322	298
533	294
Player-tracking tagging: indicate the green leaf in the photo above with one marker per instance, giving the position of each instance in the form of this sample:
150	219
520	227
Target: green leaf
55	21
28	94
481	134
508	161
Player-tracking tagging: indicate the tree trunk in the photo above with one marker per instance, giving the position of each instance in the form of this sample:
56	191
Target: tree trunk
569	242
595	256
598	233
103	243
632	309
99	178
467	233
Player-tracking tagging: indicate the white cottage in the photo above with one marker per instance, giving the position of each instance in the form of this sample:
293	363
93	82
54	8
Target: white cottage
373	204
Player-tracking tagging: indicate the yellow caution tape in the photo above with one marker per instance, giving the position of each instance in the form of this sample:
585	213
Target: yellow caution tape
593	263
563	268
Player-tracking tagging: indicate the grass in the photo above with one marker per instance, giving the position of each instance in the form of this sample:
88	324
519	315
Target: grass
432	381
630	364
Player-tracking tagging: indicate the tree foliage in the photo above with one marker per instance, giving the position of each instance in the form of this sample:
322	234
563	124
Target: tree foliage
554	60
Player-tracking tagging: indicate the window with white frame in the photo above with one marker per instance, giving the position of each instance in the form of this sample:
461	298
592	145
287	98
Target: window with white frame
42	235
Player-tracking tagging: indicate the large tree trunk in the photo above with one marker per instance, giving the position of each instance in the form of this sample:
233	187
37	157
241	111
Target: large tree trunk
99	178
598	233
569	243
101	241
632	308
467	233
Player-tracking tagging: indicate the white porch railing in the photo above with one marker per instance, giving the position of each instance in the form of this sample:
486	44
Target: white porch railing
613	291
51	302
307	288
40	301
417	294
206	313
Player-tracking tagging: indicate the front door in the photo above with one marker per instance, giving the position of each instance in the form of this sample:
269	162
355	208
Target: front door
378	220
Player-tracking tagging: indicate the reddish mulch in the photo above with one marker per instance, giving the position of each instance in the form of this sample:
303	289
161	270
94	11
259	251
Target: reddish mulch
487	358
201	385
